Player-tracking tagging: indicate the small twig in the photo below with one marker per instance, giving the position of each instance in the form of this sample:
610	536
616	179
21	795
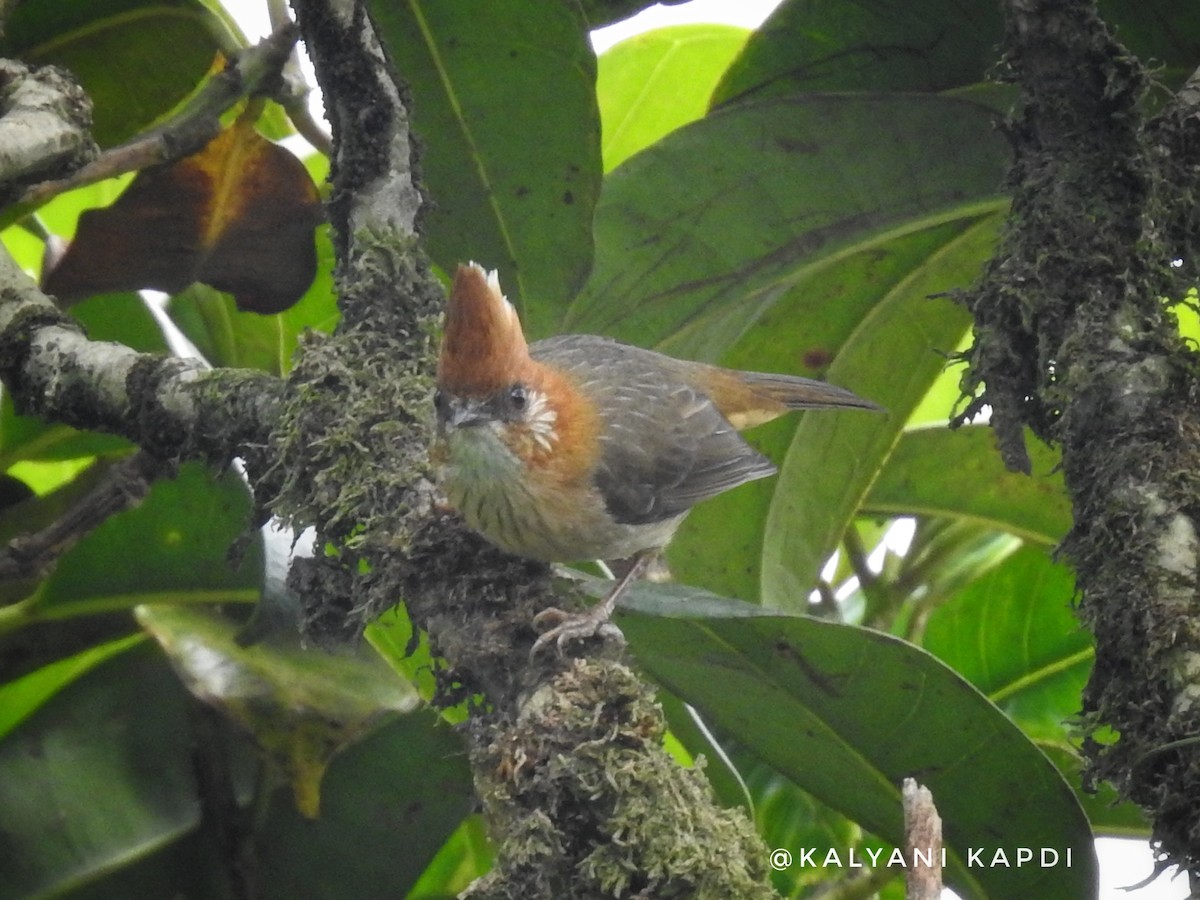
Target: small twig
880	605
34	555
826	606
221	815
293	94
254	71
922	842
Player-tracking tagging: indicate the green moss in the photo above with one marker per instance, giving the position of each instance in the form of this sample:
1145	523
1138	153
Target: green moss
349	454
1074	340
584	801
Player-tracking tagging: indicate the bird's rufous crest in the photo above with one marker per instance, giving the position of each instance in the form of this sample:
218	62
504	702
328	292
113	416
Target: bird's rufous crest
483	348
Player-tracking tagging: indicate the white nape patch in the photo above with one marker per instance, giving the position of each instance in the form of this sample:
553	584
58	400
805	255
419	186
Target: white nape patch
540	418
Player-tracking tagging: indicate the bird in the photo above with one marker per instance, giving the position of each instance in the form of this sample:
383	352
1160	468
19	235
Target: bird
579	447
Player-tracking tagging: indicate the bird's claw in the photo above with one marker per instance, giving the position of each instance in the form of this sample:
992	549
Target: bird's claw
562	627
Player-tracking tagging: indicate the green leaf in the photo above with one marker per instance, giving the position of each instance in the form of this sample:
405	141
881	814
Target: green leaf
655	82
833	458
174	547
1013	634
20	698
300	706
847	713
937	45
700	236
512	164
225	336
467	855
936	471
695	736
98	798
100	773
121	318
720	543
881	45
115	49
388	804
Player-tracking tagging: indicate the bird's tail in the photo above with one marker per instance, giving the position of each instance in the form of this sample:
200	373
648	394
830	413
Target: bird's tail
752	398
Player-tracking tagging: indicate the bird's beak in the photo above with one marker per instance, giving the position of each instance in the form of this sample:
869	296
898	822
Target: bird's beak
464	412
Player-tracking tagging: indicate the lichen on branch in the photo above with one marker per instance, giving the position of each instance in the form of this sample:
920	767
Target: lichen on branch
1075	339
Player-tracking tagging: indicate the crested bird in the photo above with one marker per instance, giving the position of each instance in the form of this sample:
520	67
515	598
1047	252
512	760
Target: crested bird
579	447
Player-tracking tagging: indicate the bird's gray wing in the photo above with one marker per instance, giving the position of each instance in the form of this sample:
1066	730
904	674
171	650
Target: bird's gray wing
664	445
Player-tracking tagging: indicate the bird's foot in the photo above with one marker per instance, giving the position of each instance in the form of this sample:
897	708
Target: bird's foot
563	627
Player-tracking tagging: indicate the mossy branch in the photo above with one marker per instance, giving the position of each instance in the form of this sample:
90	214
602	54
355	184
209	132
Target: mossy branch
173	408
1074	337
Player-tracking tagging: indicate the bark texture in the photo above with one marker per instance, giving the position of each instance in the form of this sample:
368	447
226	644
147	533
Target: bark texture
1075	339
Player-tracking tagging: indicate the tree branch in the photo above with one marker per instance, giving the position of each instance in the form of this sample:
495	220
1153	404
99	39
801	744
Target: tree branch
124	486
45	126
1073	337
255	71
173	408
580	797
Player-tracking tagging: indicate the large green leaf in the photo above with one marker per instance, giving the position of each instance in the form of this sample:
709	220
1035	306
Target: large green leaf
1013	635
720	543
936	471
504	105
847	713
23	696
115	50
300	706
652	83
174	547
123	319
875	45
388	805
834	458
98	797
466	855
707	230
937	45
101	771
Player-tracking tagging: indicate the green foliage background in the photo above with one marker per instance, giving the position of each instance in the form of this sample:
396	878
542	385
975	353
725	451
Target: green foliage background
802	198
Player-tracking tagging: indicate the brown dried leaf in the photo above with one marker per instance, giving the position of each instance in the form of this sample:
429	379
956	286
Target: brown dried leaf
239	216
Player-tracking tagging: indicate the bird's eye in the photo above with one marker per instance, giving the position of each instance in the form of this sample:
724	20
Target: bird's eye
518	397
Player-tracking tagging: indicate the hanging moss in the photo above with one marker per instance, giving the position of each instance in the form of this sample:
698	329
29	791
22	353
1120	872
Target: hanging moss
1074	339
